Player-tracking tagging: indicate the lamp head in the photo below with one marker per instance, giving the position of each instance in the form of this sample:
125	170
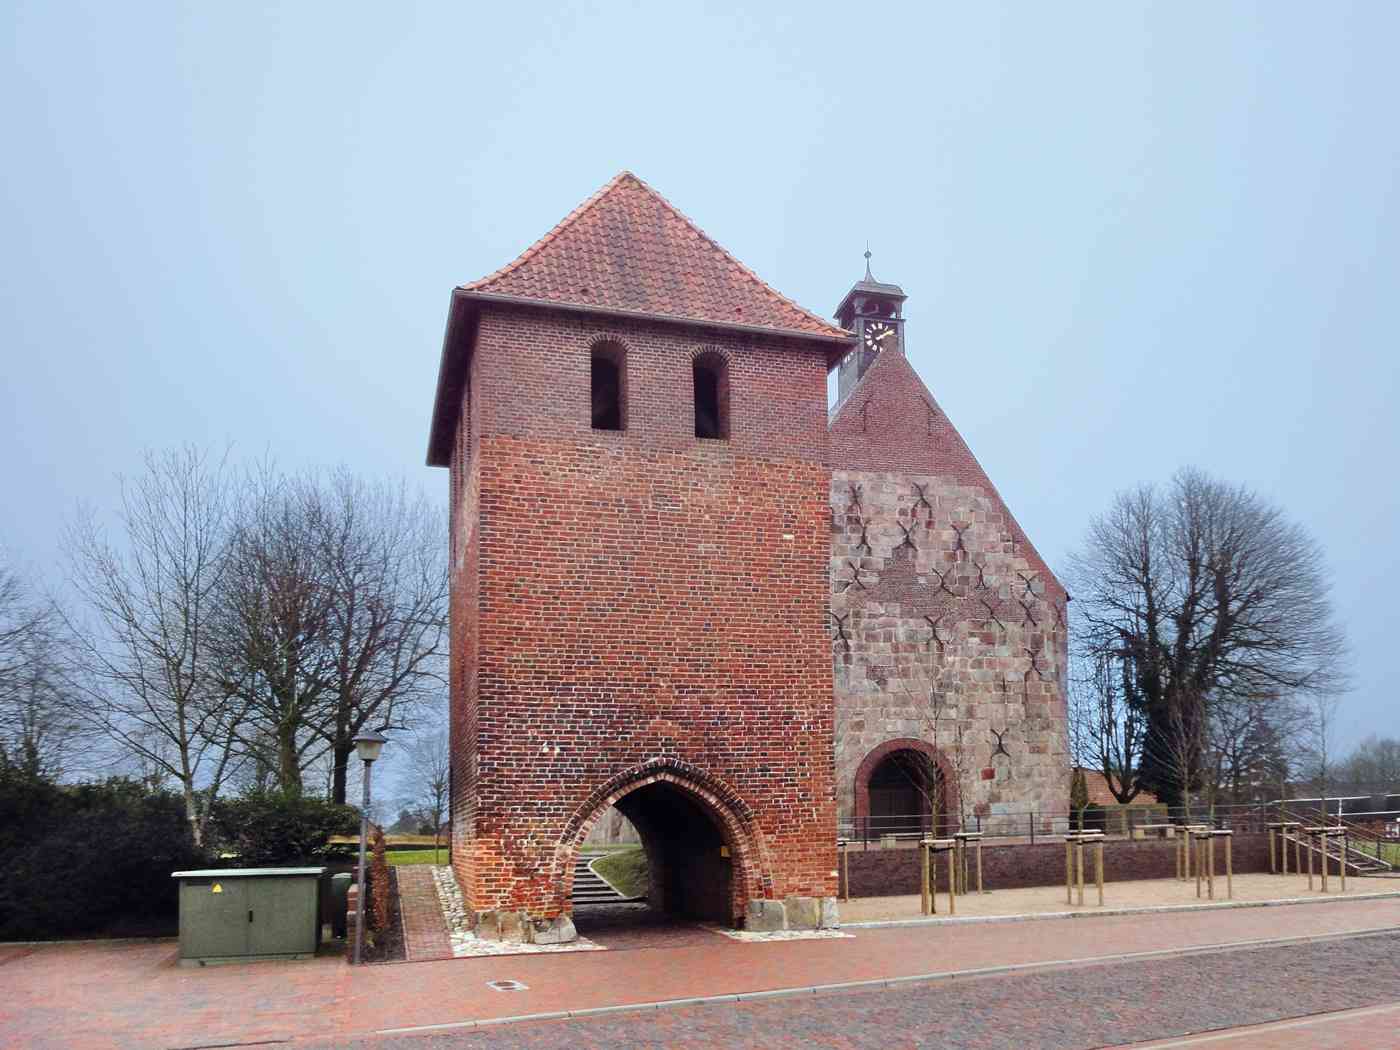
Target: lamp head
369	744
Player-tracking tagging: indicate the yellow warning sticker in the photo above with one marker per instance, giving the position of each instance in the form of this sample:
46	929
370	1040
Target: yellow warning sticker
218	888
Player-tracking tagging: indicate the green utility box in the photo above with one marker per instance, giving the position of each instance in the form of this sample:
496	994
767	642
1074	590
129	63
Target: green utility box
241	915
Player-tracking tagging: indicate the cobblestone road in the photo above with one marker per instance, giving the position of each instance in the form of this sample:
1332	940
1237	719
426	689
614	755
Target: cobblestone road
1073	1008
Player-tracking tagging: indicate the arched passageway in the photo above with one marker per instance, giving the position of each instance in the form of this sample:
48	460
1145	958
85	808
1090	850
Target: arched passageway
688	858
701	848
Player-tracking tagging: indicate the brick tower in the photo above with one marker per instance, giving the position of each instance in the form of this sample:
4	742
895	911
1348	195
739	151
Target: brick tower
636	431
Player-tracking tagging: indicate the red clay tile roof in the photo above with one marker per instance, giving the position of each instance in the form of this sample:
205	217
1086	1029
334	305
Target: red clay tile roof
628	249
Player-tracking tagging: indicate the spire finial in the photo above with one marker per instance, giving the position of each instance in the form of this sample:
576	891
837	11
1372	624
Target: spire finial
867	262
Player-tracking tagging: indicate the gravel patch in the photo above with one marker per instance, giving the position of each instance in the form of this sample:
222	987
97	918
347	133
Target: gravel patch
466	944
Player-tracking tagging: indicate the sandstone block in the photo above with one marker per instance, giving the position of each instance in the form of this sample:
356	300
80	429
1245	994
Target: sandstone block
830	919
559	930
803	913
764	916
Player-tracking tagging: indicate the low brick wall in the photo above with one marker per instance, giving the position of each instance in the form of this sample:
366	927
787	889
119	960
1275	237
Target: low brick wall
895	872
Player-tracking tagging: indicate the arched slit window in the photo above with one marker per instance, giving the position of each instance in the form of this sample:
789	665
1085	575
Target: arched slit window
711	375
607	386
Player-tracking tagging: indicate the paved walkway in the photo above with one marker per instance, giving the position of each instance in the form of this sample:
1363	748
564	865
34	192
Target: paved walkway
133	995
1195	1000
424	929
1145	893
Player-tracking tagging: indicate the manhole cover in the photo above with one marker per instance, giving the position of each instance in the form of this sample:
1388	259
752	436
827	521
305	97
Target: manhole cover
507	986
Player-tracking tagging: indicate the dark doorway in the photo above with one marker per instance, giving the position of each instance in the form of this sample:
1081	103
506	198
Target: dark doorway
905	790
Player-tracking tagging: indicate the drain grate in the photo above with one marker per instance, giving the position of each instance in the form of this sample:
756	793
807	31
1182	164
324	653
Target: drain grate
507	986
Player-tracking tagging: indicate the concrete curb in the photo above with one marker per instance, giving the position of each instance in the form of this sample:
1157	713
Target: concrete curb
1168	909
892	982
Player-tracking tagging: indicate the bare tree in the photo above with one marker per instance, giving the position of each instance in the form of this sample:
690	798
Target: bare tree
1107	732
275	619
429	778
335	613
1374	764
1207	595
384	553
39	732
1248	743
934	695
143	635
1177	748
1320	754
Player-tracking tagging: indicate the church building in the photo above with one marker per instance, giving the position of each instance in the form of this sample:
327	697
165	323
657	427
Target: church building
681	586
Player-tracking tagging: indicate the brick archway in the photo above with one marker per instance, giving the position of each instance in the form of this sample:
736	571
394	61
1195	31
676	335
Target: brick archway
949	821
750	871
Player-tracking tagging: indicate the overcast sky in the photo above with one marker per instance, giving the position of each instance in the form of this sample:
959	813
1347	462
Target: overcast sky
1134	236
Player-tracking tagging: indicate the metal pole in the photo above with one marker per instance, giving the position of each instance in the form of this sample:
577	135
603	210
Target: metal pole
360	887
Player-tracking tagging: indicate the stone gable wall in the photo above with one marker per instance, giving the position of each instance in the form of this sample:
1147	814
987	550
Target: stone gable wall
933	597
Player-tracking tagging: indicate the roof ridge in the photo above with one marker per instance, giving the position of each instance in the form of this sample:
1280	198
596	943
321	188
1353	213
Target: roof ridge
559	227
731	257
727	259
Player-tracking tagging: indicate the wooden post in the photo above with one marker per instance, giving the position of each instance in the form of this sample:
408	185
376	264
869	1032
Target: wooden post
1069	872
846	866
1310	864
1229	868
1098	868
1342	862
1273	868
980	890
1079	869
933	879
1198	868
923	879
952	861
1210	869
1283	847
1322	840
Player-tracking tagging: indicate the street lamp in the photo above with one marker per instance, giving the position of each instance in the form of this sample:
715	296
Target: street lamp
368	744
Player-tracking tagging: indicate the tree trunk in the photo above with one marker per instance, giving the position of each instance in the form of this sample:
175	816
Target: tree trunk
288	761
340	770
192	815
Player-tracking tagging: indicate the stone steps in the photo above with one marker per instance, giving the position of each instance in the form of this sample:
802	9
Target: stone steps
589	888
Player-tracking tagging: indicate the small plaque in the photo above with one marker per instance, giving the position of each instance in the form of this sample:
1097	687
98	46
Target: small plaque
218	887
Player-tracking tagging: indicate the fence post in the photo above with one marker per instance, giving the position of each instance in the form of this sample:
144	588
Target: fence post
1032	827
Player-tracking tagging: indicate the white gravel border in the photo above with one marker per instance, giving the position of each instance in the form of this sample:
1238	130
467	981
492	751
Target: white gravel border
466	944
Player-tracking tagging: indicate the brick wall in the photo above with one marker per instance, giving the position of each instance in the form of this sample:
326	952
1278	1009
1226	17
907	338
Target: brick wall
640	606
895	872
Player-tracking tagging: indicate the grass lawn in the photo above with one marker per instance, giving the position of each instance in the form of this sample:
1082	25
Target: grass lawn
416	856
1390	851
626	870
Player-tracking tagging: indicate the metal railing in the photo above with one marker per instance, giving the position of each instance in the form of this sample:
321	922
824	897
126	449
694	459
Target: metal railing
1034	824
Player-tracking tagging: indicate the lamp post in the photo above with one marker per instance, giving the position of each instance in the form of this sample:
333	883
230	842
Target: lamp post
369	744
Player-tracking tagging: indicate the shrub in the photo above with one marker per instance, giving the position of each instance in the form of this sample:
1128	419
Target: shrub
272	828
83	859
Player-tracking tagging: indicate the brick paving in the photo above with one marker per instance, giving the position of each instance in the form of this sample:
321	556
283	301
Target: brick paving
1073	1008
133	994
424	929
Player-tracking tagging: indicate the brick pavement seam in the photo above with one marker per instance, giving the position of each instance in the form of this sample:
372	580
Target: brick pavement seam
889	982
1220	1035
972	920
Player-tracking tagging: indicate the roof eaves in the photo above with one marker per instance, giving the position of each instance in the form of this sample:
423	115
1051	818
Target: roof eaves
833	335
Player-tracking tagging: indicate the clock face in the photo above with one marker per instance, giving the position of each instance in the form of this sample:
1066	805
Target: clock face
879	335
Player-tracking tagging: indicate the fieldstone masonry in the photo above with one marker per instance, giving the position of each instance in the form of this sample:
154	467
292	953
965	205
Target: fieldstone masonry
933	602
